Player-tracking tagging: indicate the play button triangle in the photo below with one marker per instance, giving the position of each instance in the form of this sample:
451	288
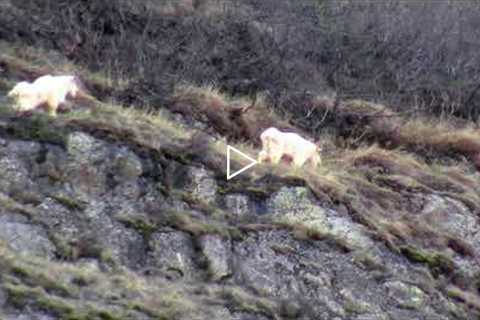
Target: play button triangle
252	162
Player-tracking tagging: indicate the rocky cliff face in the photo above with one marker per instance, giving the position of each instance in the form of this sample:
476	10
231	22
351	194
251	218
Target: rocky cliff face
95	228
115	213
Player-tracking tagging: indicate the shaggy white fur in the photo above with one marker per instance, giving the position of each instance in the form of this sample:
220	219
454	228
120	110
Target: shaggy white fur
50	90
277	144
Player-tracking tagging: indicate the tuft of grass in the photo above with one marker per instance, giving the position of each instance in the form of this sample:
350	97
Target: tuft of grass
389	161
440	136
152	131
38	127
246	302
143	120
59	306
56	288
35	57
104	79
358	106
469	298
303	232
239	119
68	202
31	275
437	262
64	250
145	126
139	223
19	293
199	204
196	227
426	136
359	121
368	260
209	95
10	204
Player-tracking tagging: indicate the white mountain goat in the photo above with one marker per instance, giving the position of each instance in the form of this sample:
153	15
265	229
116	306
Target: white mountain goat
49	91
277	144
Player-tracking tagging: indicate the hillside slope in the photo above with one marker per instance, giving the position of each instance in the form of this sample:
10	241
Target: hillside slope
109	212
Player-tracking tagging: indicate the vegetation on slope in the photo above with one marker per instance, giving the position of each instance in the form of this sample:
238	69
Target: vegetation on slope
86	292
375	160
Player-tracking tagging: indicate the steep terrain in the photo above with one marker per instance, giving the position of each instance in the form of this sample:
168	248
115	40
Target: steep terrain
108	212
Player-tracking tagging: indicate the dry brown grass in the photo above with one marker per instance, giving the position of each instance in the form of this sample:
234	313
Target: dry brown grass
440	137
373	182
357	122
57	287
376	186
25	63
238	119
